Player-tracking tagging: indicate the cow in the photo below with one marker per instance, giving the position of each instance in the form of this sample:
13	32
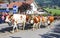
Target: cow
35	20
16	19
50	19
44	20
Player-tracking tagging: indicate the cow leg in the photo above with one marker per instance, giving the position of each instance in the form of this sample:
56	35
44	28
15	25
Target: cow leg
43	23
46	24
14	26
23	25
13	29
37	25
34	25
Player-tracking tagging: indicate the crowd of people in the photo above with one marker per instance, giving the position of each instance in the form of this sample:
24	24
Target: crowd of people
3	17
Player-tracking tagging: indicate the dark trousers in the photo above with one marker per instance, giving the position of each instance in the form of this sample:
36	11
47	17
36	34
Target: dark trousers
0	20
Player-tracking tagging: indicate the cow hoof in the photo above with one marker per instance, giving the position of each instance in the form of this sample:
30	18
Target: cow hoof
16	30
12	32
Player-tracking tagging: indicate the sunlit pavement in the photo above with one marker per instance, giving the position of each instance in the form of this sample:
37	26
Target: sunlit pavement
51	31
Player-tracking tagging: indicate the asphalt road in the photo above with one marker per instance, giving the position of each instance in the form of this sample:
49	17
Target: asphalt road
51	31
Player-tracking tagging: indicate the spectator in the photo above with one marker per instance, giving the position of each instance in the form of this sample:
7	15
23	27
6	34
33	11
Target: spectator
0	18
3	19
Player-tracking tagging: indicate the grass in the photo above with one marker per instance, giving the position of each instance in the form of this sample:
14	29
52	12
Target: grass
57	11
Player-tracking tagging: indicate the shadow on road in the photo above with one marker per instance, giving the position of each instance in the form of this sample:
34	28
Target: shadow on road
14	37
54	33
7	29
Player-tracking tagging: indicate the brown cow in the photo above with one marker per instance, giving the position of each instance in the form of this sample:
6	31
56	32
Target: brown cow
36	21
44	20
51	19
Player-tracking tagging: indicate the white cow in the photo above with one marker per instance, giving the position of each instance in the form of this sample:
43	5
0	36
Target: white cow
16	19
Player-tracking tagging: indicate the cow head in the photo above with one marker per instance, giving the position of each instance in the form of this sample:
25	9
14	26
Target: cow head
8	18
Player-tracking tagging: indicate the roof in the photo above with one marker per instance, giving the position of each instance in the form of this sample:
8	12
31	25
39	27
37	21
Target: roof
19	3
29	1
14	3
